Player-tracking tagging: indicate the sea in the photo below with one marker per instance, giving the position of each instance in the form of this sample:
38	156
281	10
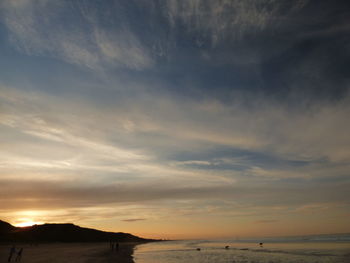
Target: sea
301	249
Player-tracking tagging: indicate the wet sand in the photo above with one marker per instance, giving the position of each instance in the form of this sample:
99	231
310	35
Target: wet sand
71	252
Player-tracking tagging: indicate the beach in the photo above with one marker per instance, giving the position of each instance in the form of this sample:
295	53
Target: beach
70	252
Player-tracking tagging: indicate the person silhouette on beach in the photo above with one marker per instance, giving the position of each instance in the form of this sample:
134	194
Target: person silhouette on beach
116	246
19	254
12	251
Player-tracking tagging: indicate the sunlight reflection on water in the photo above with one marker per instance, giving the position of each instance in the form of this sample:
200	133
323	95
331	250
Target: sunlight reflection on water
248	252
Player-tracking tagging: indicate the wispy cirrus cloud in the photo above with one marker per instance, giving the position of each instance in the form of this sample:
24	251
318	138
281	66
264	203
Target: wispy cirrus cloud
220	21
82	41
87	39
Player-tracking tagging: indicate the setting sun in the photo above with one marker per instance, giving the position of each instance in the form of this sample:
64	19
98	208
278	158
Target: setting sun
25	223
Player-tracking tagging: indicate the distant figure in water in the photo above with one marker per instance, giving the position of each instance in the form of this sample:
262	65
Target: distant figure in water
198	249
19	254
12	251
227	247
261	244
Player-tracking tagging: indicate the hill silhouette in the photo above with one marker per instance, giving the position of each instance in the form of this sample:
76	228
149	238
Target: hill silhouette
5	227
61	233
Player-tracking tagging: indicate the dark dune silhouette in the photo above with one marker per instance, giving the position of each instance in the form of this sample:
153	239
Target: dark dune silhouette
61	233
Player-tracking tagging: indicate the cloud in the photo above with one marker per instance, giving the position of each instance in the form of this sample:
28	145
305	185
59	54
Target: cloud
104	141
72	33
17	193
315	207
133	219
266	221
193	162
34	194
221	21
82	34
123	49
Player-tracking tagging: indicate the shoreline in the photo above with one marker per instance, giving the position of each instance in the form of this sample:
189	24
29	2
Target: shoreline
123	255
71	252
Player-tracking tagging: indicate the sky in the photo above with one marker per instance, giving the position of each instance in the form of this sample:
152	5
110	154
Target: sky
176	119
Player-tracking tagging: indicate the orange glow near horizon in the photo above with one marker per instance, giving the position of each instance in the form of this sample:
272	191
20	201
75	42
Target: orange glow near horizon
26	218
25	223
190	228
